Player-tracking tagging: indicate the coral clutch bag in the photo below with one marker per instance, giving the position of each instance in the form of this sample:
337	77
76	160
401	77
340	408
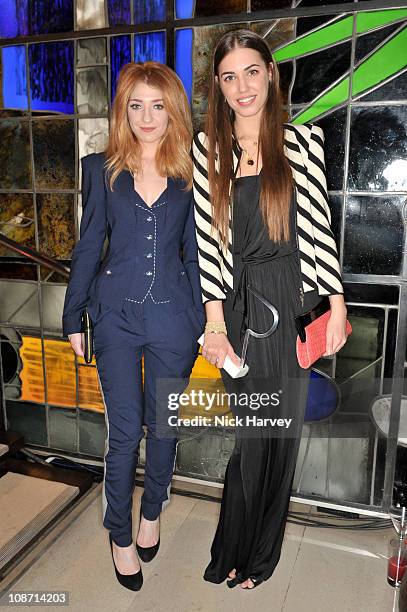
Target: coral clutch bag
311	339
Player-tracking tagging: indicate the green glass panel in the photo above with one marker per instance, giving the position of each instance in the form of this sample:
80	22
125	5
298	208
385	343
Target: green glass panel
338	31
388	60
335	96
323	37
370	20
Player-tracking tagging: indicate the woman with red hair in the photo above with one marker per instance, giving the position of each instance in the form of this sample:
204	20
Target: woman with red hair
144	298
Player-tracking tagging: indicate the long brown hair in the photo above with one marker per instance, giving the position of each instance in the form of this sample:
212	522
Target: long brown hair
277	178
124	150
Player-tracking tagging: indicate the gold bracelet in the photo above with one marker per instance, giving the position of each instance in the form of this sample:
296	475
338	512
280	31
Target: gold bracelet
215	327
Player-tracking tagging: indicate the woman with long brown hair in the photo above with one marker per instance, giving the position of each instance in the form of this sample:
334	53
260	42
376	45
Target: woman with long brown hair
266	255
144	299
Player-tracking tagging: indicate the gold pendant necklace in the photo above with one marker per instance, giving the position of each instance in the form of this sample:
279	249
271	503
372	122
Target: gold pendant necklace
250	160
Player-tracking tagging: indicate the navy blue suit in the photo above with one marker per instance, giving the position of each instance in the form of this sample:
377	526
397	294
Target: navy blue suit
144	299
124	269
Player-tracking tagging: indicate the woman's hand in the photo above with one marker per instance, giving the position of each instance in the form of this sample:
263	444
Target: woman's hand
77	342
216	347
336	327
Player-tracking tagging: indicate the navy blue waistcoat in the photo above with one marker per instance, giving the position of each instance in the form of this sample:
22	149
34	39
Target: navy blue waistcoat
152	251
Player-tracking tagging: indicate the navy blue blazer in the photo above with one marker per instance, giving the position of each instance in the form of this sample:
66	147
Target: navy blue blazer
149	248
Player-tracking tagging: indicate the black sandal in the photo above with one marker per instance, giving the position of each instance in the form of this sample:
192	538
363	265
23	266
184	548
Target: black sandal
255	583
234	581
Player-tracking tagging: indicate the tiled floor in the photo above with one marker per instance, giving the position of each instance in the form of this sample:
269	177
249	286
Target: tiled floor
320	570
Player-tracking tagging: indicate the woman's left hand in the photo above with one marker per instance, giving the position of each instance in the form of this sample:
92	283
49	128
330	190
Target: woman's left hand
336	327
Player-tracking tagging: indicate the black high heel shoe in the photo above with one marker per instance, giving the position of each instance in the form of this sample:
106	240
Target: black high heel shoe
148	553
134	582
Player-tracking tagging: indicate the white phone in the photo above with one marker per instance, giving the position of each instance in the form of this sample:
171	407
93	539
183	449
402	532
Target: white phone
233	370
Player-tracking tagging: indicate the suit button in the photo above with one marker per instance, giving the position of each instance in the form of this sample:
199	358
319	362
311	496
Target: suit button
149	273
149	236
108	271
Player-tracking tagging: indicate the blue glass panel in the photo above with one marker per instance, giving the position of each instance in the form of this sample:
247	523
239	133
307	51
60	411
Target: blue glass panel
149	46
322	398
14	77
120	54
52	77
149	10
184	9
55	16
183	58
13	18
119	12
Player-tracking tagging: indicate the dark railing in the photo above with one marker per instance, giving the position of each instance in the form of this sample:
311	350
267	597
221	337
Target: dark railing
34	255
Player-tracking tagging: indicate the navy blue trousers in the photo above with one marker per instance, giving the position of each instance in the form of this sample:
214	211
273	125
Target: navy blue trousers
168	343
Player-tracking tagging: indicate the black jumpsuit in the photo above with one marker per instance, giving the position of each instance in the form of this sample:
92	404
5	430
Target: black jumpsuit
260	471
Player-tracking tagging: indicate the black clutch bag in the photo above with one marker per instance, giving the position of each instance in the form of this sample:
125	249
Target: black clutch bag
87	330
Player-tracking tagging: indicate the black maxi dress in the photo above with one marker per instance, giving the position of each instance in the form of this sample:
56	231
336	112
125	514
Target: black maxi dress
259	475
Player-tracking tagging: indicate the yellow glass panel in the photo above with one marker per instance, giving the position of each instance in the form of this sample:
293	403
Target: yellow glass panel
60	371
32	375
61	382
90	396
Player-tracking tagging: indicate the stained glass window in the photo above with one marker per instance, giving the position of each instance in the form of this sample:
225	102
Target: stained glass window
207	8
14	18
120	54
92	135
150	46
31	17
15	158
184	9
56	224
90	14
378	148
52	76
380	221
91	90
183	58
119	12
46	16
54	153
17	220
91	51
14	77
149	10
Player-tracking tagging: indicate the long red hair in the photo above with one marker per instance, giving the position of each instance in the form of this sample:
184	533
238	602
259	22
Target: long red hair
124	151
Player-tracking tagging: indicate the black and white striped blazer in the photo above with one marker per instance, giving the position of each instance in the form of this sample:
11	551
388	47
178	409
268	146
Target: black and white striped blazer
320	270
